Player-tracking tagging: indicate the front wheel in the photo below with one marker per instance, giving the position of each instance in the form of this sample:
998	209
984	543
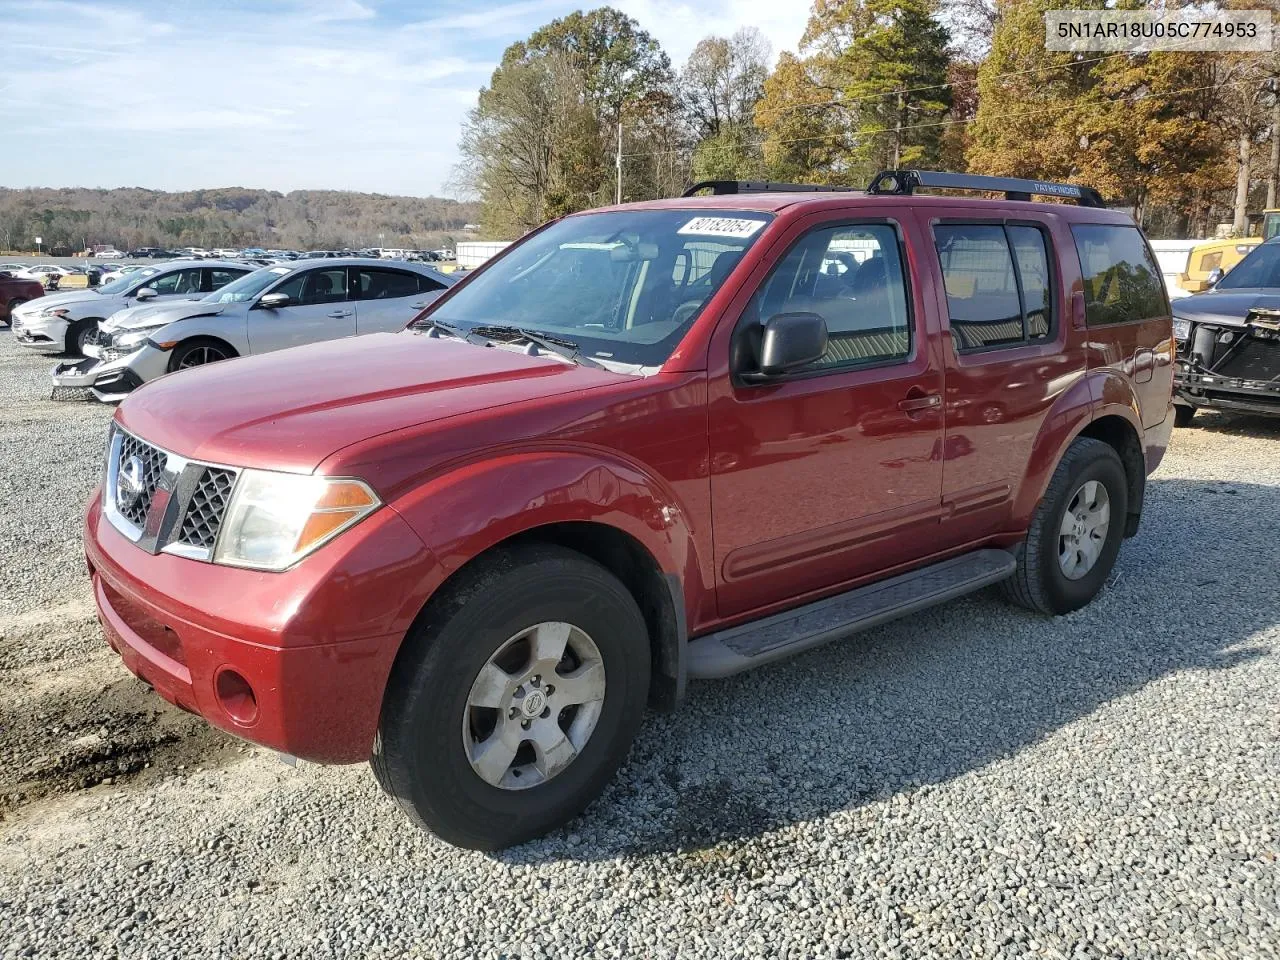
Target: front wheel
197	353
515	699
79	334
1076	532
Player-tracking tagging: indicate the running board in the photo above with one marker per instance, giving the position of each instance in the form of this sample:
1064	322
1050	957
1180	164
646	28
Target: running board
740	648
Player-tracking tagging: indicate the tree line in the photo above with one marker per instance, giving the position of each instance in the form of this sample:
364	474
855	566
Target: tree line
590	107
68	219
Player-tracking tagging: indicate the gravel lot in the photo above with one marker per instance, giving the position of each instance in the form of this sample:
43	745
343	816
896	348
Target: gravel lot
974	781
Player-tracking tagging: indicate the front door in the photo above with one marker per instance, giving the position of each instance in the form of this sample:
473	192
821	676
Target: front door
318	309
832	473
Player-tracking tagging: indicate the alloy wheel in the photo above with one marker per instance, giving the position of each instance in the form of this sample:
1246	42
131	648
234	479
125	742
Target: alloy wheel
533	706
198	356
1083	532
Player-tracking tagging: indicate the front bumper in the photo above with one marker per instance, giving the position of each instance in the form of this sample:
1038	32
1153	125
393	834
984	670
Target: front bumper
45	334
112	380
314	644
1196	388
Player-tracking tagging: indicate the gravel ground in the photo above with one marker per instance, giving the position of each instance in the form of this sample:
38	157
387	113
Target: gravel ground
973	781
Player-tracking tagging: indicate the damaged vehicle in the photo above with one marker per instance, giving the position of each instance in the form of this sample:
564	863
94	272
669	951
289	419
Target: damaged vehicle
66	322
1229	341
269	309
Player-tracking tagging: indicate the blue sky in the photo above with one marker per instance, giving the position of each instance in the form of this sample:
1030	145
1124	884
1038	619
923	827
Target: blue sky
281	94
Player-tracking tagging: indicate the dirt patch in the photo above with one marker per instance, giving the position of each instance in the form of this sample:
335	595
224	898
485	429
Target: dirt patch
72	717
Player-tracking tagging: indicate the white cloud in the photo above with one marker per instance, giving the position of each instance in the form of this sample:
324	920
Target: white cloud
344	94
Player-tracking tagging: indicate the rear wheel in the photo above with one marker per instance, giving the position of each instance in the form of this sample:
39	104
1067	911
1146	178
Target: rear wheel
1076	532
196	353
1182	416
515	699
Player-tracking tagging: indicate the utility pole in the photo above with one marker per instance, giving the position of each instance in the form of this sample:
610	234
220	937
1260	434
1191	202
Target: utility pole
897	134
618	165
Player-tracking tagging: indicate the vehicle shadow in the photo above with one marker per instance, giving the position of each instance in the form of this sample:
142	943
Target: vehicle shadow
939	694
1235	424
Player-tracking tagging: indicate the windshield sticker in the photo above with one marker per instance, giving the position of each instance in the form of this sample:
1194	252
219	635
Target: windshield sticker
721	227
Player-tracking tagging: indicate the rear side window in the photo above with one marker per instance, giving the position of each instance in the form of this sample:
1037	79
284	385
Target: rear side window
428	285
998	283
376	283
1121	280
219	277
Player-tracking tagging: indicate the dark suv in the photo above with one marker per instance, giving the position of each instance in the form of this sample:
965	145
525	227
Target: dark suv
646	443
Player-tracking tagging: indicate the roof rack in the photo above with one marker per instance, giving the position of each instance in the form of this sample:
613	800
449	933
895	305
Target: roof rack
905	182
722	187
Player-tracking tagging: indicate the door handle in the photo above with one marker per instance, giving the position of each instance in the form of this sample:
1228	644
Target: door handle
914	404
340	313
416	306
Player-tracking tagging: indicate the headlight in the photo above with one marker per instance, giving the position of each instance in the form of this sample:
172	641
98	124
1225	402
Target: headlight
54	312
276	519
1181	328
132	339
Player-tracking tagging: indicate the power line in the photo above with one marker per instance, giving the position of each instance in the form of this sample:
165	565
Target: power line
948	123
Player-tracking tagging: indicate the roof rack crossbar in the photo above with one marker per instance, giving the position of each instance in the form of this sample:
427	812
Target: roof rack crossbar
905	182
723	187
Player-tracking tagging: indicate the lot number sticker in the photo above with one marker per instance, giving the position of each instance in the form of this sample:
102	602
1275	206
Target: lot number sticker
721	227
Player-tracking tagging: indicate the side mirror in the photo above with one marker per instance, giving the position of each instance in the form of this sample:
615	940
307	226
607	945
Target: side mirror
273	301
789	341
145	293
1215	275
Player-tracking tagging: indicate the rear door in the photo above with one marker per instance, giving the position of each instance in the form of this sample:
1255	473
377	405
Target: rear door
1007	358
386	298
318	309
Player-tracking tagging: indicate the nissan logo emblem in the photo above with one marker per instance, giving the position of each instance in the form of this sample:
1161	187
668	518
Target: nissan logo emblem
129	482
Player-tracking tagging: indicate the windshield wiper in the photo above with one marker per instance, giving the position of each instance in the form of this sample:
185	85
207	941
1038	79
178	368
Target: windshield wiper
561	347
435	327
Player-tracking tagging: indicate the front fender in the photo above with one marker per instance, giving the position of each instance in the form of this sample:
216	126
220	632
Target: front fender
475	506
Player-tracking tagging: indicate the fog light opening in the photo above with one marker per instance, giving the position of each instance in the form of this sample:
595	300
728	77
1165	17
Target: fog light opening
235	696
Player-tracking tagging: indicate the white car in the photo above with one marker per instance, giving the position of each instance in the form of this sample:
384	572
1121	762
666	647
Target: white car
117	272
65	322
19	270
42	270
270	309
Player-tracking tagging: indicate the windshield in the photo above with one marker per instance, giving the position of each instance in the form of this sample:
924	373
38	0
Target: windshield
1261	268
248	286
128	281
623	285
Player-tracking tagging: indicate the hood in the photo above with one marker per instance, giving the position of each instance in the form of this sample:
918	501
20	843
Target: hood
59	299
1226	306
292	409
152	314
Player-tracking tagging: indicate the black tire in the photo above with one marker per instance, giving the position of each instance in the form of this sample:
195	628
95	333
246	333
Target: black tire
79	333
420	757
197	352
1039	583
13	305
1182	416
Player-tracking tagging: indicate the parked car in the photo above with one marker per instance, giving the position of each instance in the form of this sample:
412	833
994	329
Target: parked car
120	271
65	322
42	270
14	292
1229	340
641	445
20	270
272	308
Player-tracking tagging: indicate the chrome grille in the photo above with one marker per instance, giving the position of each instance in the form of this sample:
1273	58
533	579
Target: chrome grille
204	511
142	465
162	501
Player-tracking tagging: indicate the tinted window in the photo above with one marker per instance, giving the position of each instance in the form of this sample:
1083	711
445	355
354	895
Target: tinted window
852	277
219	277
1121	281
428	285
997	283
373	283
178	282
316	286
1261	268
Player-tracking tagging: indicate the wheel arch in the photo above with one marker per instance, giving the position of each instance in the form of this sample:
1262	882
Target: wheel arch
195	338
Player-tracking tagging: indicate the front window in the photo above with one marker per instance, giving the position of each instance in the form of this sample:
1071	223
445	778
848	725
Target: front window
248	286
623	285
132	279
1261	268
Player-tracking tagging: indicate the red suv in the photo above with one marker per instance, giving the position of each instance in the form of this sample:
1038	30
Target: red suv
647	443
15	291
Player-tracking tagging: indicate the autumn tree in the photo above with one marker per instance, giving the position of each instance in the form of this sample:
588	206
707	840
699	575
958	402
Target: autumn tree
720	86
883	65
